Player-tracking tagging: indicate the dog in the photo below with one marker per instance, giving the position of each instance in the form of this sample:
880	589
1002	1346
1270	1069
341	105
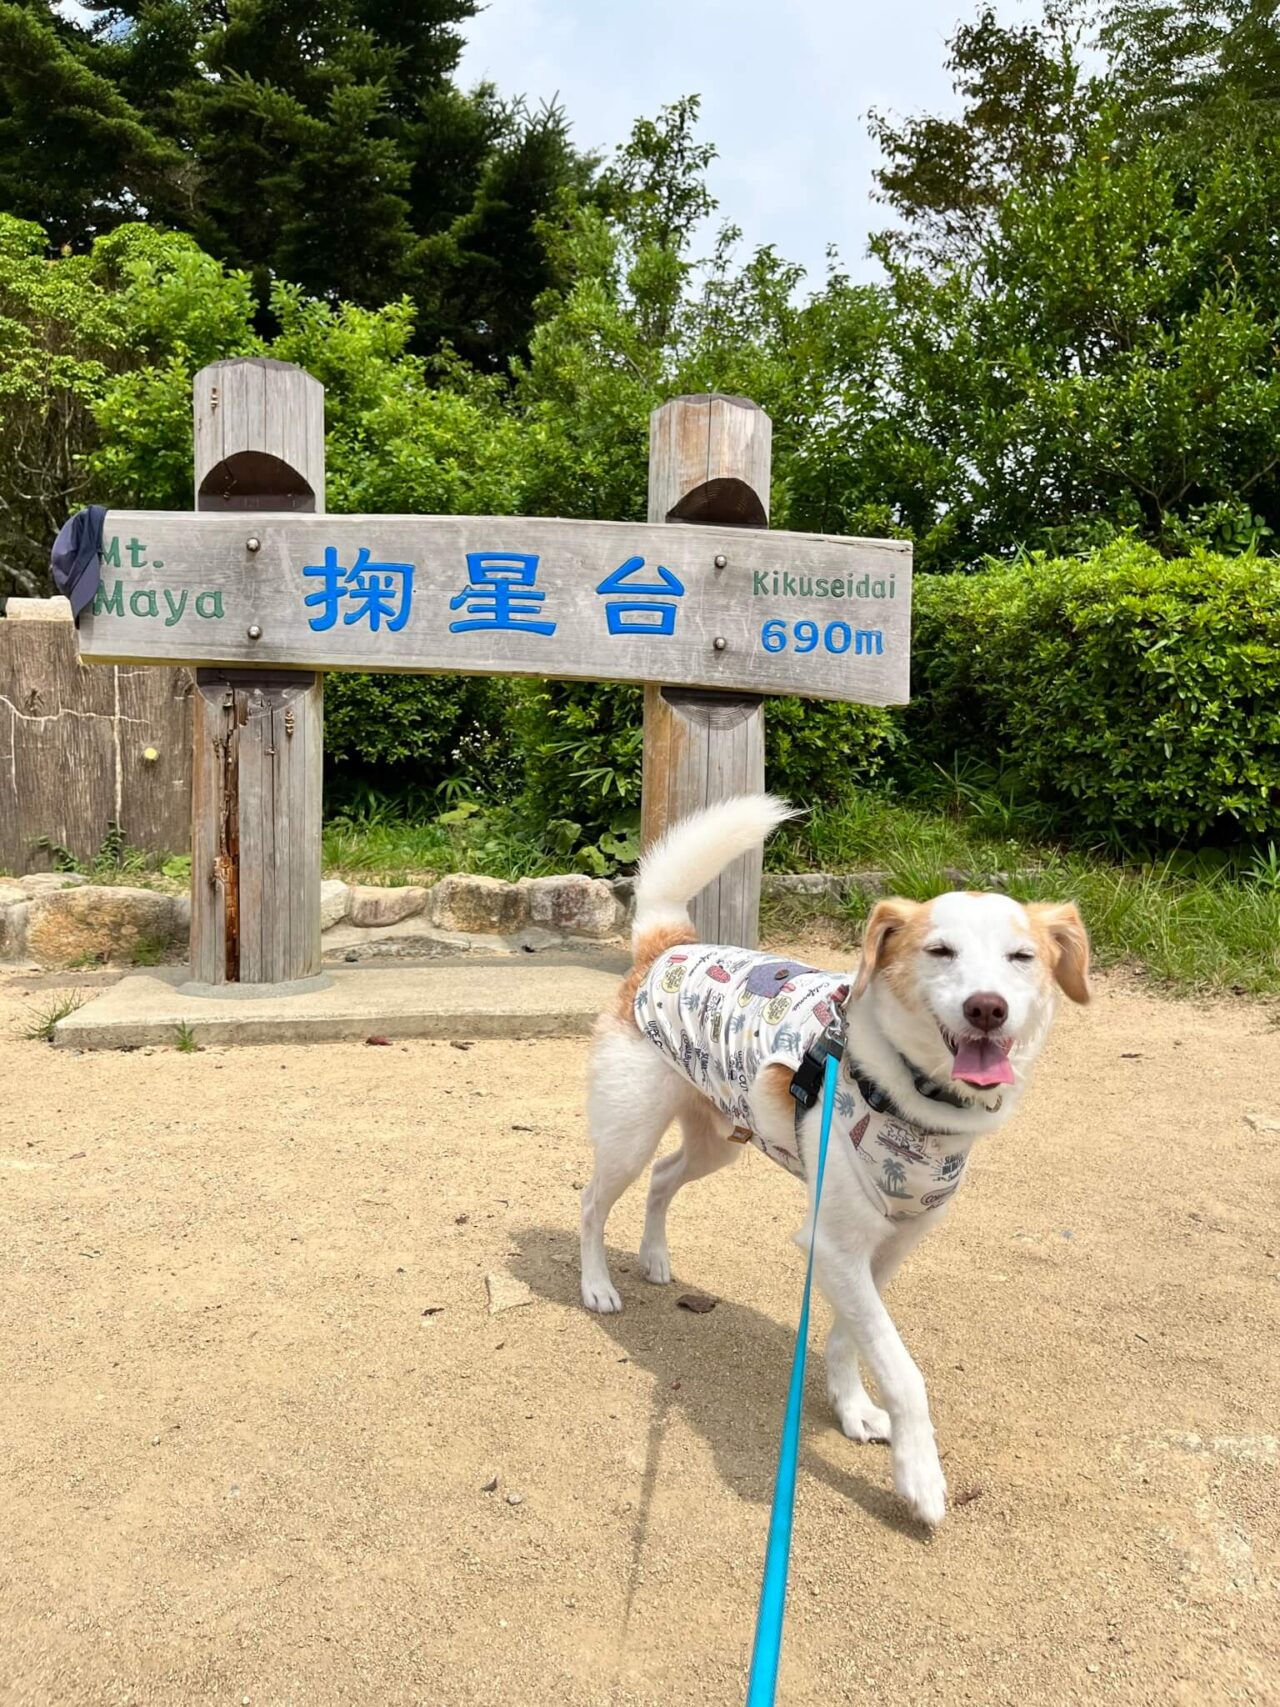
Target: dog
942	1021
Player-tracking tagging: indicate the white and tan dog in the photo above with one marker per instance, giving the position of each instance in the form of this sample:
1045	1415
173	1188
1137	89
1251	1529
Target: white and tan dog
946	1014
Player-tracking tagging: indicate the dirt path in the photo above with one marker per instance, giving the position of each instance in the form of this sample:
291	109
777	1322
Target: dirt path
240	1464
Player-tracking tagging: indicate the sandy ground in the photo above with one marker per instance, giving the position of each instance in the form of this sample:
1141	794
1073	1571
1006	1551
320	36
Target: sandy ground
240	1462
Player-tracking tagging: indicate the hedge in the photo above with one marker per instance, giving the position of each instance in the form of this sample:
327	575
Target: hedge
1128	695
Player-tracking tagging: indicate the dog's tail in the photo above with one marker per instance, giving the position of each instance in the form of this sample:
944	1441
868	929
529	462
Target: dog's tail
697	849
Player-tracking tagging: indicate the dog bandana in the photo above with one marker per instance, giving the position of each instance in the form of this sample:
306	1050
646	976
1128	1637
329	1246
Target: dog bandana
720	1016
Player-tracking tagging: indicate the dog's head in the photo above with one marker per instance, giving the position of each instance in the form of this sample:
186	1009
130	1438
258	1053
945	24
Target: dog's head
965	985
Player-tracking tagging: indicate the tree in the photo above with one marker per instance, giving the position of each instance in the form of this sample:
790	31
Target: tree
1026	107
1195	63
1029	106
97	353
1105	362
60	338
640	317
1082	309
481	278
325	145
75	155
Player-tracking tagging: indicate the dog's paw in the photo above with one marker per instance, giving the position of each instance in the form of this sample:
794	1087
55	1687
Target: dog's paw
918	1478
860	1419
601	1296
656	1265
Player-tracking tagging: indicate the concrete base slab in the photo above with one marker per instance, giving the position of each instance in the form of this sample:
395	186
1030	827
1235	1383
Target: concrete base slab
554	997
254	992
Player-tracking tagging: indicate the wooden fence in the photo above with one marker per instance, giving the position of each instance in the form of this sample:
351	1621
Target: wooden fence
84	747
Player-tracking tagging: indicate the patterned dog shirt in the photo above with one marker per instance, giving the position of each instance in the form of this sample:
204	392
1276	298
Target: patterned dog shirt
722	1015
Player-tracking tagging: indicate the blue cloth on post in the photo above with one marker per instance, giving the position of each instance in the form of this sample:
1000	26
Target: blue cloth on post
76	558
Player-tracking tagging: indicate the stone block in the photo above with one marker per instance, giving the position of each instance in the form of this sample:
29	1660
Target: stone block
481	905
333	902
106	923
369	905
573	905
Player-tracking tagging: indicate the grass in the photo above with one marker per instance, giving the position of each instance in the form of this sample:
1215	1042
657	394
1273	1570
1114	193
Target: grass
151	951
397	852
117	863
184	1040
44	1019
1193	921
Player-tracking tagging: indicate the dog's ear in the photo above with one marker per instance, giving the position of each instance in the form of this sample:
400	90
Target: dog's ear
1060	926
887	919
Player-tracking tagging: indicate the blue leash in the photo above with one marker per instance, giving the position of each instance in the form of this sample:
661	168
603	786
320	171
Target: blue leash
765	1654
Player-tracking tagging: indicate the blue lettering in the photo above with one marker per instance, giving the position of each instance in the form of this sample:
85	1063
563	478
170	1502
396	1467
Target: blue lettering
631	614
367	592
500	594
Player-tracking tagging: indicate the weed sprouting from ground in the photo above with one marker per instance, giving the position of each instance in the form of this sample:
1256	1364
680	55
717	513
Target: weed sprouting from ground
43	1020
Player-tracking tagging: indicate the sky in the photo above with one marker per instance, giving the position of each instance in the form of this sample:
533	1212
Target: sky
786	86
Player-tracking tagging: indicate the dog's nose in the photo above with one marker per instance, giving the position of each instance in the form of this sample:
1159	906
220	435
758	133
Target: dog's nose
986	1011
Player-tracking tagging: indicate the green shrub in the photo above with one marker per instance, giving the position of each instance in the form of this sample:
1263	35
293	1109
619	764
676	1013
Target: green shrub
817	752
1133	696
580	744
418	735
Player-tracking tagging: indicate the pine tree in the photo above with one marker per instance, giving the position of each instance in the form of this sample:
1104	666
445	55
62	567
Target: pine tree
325	144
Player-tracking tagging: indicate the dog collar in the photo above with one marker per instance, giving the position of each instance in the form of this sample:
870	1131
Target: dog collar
879	1101
927	1087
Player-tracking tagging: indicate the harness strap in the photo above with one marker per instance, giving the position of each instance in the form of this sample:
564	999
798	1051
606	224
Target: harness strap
807	1078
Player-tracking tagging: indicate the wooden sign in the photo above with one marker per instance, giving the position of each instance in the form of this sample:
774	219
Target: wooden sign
730	608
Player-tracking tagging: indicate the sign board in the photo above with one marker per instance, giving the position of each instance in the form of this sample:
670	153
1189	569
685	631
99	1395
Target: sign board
730	608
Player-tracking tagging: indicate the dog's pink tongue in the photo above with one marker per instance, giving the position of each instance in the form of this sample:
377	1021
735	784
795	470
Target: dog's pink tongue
982	1061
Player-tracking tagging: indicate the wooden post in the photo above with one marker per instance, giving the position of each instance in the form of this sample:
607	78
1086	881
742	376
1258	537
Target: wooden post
259	734
709	462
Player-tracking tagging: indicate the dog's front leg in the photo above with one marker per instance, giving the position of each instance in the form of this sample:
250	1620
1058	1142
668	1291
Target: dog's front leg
849	1285
863	1322
860	1417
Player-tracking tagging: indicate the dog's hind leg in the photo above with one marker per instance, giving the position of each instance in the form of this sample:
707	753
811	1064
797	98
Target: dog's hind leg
704	1149
632	1098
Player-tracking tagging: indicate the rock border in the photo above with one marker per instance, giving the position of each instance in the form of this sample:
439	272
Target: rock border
53	919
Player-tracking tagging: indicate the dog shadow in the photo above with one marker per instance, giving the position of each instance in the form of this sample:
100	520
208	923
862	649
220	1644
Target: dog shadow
713	1370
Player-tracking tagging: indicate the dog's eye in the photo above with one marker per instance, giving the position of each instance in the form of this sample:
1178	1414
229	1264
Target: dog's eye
940	951
1021	954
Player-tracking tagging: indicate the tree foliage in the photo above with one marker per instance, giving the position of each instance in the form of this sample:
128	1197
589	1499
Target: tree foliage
323	145
1082	306
1073	339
